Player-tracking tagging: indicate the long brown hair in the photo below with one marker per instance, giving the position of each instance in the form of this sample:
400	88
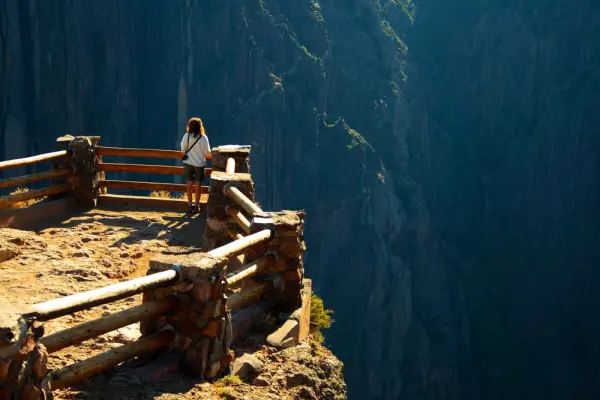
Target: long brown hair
195	127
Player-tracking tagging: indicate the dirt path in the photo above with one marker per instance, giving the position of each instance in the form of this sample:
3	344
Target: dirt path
89	251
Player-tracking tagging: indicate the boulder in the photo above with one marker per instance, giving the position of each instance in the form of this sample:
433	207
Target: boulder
246	367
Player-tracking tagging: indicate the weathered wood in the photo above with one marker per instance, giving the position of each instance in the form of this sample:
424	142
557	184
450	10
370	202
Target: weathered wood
260	265
100	326
242	320
82	301
149	153
82	370
155	186
21	162
141	168
230	167
147	202
239	218
40	215
234	235
26	179
249	296
238	246
33	194
240	199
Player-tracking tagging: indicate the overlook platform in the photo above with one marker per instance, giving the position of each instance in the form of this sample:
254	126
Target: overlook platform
101	283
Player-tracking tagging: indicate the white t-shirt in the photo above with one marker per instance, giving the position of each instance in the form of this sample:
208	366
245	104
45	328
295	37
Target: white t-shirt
197	155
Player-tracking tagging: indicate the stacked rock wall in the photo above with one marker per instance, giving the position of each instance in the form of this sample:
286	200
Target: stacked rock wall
22	359
202	322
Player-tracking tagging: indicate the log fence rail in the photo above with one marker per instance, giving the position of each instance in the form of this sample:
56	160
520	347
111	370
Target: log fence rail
6	202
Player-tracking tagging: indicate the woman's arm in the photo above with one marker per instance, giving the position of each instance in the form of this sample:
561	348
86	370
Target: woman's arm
183	143
206	149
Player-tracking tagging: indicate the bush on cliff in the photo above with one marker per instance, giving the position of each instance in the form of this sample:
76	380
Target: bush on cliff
320	318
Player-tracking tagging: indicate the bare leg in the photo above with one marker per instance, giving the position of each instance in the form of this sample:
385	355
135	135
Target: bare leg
190	189
198	190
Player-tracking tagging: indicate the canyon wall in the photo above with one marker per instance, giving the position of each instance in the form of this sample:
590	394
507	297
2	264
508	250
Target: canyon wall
446	155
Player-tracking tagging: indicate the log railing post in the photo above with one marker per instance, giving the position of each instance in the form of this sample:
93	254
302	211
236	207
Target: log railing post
239	154
288	243
84	164
217	217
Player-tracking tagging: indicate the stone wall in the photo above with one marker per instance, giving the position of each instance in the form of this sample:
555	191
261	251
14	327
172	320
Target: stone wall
22	359
84	163
241	155
217	219
201	322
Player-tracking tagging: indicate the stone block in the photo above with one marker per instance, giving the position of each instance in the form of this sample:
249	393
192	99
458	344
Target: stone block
195	267
247	367
241	155
286	336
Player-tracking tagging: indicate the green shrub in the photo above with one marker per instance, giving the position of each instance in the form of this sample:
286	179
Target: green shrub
229	380
320	318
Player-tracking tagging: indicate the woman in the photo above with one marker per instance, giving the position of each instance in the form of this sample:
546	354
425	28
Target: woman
196	150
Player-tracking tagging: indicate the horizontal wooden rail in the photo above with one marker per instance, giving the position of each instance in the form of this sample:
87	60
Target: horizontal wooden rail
239	218
155	186
82	301
146	168
21	162
241	200
141	168
33	194
149	153
249	296
82	370
239	246
100	326
26	179
260	265
234	235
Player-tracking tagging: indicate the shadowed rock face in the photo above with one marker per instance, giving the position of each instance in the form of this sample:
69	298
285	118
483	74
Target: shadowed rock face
446	154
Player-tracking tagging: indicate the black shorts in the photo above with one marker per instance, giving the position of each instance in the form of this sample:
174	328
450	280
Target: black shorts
193	173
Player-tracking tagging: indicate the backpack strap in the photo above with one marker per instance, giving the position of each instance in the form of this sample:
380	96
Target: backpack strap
188	144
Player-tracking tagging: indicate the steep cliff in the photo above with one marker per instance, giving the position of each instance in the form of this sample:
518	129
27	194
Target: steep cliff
505	129
444	152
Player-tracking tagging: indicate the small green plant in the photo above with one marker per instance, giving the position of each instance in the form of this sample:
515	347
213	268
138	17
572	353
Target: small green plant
229	380
226	393
163	194
320	318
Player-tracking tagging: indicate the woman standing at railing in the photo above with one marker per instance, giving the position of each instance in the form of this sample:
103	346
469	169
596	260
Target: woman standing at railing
196	150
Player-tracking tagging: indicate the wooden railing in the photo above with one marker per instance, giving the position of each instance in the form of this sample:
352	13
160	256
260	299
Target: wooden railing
82	370
105	167
233	284
8	201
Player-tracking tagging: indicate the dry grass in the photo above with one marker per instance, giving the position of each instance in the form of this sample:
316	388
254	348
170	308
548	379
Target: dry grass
163	194
21	204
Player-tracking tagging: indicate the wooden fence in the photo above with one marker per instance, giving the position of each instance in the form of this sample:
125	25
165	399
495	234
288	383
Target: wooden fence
104	167
51	190
247	295
211	284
